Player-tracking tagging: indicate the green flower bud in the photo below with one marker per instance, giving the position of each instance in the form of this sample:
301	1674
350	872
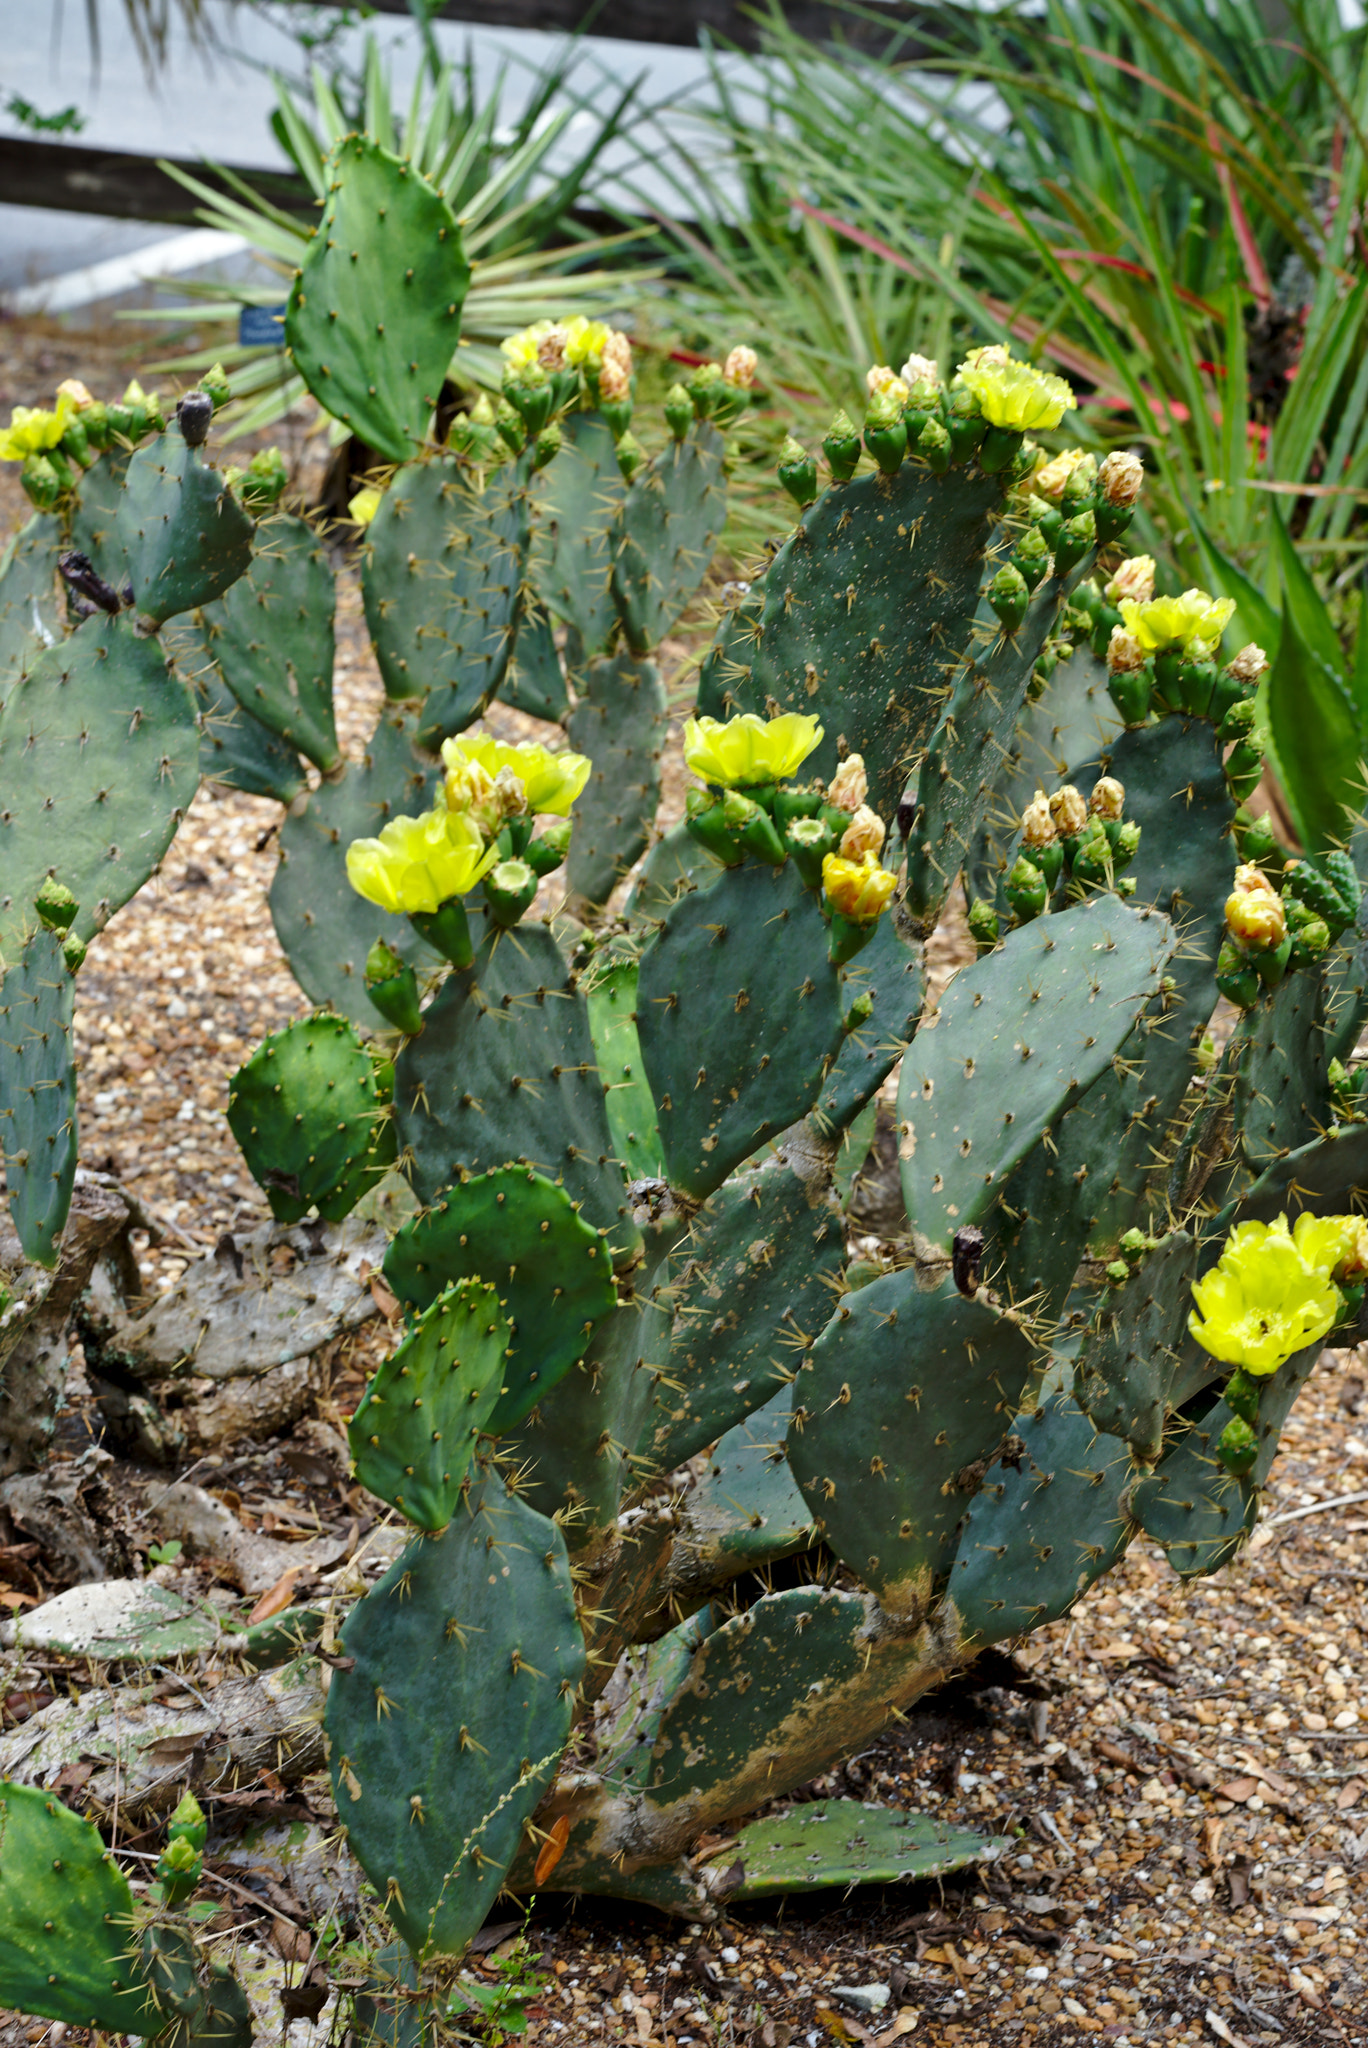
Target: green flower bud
1339	866
531	396
1237	1447
187	1823
1026	890
706	389
985	927
510	425
792	800
1117	1273
548	853
933	445
217	386
1010	596
179	1869
841	446
42	485
1031	557
55	905
74	952
1079	492
705	822
1244	769
548	445
1235	978
999	449
262	483
1134	1246
447	930
1242	1397
885	434
393	988
679	412
1077	538
847	936
798	472
1256	840
630	456
965	423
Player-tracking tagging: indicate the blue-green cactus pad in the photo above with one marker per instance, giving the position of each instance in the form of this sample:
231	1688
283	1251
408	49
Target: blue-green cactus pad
185	536
671	517
30	615
620	723
272	636
66	1918
310	1119
842	1842
38	1093
579	497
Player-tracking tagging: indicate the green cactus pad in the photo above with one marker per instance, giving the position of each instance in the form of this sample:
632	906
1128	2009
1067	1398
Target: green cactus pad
38	1093
890	973
1049	1519
1281	1066
99	761
754	1283
741	1019
745	1512
535	681
310	1120
901	1400
611	992
670	520
572	1450
67	1915
1022	1034
387	245
467	1654
272	636
325	928
414	1434
30	612
513	1228
579	497
505	1069
235	749
440	581
954	788
1129	1355
185	536
1321	1178
831	1842
196	2003
94	523
675	865
620	723
880	578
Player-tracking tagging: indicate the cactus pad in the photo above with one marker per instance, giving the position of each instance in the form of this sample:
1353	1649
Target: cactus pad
1021	1034
38	1093
620	723
945	1376
579	497
272	636
99	760
741	1019
668	526
30	618
325	928
843	1842
235	749
447	1730
1049	1518
310	1120
1127	1362
440	580
414	1434
505	1069
535	681
185	536
890	973
513	1228
388	245
67	1915
611	992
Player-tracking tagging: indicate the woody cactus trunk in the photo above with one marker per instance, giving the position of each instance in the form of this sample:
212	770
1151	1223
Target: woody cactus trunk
697	1507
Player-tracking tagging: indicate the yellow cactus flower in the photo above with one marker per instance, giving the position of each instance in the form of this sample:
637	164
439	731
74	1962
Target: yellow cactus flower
748	749
1263	1300
364	506
1049	478
551	782
585	340
1257	919
859	889
523	349
1172	624
1016	395
420	863
31	430
1134	579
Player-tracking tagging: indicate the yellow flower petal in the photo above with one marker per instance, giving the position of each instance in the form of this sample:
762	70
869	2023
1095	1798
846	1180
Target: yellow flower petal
858	889
748	750
419	863
552	782
1169	624
1016	395
364	506
1265	1299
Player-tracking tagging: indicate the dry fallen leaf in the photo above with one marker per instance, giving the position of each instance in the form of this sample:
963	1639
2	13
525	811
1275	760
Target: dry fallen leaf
384	1297
1212	1830
275	1598
552	1849
1238	1790
1223	2032
903	2025
1350	1794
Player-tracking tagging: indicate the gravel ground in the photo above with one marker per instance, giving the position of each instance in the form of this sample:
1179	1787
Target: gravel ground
1183	1773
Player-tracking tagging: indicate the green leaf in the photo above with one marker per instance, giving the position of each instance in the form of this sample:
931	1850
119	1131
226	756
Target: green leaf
1255	618
1315	731
1303	603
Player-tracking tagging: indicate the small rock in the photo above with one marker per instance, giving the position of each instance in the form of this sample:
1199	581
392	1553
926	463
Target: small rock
1037	1974
730	1955
864	1997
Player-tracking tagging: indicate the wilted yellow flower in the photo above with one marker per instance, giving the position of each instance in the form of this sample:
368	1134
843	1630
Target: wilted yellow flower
1049	480
615	383
1256	919
364	506
1263	1300
77	392
551	782
1016	395
880	382
1108	799
1068	810
1249	877
849	785
420	863
1037	825
523	349
31	430
1120	478
748	749
859	889
740	367
1124	653
1249	664
1134	579
920	370
1169	624
864	834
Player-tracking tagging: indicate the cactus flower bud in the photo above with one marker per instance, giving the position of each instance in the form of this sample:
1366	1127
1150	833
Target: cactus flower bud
1134	579
548	445
392	986
42	485
1049	479
1031	556
187	1823
1235	978
1079	491
1120	478
921	370
1237	1447
985	928
933	445
1009	595
74	950
512	432
1037	823
679	411
1069	811
880	382
1244	770
863	835
1257	919
179	1869
705	388
860	890
884	431
1077	538
1026	890
630	456
509	889
547	853
1108	799
740	367
849	785
798	471
841	445
55	905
